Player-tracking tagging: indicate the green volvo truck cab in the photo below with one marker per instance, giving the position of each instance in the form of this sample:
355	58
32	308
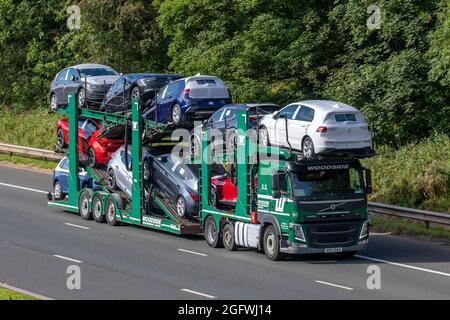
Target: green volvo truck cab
286	204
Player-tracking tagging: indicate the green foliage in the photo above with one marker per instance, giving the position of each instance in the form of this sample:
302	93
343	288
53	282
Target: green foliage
415	176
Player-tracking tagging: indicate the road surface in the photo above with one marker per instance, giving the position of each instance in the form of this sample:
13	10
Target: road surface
38	243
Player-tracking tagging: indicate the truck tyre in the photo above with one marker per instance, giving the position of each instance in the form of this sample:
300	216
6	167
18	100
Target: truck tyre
228	237
112	209
272	244
97	209
211	234
83	204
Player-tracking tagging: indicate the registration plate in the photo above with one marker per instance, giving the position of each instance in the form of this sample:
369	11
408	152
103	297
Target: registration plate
333	250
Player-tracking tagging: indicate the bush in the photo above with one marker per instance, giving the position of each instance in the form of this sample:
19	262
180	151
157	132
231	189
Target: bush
417	175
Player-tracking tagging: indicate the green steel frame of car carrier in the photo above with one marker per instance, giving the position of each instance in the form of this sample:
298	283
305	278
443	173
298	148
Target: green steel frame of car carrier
264	217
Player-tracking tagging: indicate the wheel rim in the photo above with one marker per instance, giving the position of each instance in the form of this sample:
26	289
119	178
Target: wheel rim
307	148
176	114
213	196
211	231
97	208
57	190
263	137
111	211
111	179
81	98
60	139
53	103
84	205
270	243
135	94
91	157
180	207
227	235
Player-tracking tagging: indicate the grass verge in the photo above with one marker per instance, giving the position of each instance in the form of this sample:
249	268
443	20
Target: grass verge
34	163
403	226
6	294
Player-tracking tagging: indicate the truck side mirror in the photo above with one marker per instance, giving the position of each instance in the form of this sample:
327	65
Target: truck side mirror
368	181
276	192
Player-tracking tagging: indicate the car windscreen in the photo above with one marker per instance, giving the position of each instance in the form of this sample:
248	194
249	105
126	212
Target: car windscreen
328	184
216	169
95	72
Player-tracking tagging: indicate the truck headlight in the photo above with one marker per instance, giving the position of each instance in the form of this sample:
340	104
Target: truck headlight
364	230
298	232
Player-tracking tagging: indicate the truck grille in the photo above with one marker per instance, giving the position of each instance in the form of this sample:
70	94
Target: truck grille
333	234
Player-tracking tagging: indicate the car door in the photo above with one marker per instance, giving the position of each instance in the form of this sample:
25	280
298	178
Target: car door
164	106
217	127
279	125
72	82
59	87
299	126
114	96
64	175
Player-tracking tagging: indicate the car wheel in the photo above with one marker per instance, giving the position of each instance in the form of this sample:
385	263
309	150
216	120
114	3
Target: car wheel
53	102
81	98
60	139
272	245
111	179
91	158
181	207
97	209
214	197
57	191
264	136
211	234
308	148
176	114
135	94
83	205
228	237
196	147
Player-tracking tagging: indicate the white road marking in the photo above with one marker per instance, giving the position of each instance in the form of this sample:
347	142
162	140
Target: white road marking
193	252
199	293
66	258
77	226
403	265
334	285
22	188
32	294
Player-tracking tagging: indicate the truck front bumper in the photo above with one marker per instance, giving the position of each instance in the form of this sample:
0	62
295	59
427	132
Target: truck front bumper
286	248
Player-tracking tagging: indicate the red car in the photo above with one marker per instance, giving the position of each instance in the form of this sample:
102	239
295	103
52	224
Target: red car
223	191
98	150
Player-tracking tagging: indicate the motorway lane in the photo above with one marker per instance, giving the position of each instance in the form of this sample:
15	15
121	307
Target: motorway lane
131	262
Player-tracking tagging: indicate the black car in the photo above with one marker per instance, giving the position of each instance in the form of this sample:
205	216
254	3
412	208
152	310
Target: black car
143	86
224	122
90	81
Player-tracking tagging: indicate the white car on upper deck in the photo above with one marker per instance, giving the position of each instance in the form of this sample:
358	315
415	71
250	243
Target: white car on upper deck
318	127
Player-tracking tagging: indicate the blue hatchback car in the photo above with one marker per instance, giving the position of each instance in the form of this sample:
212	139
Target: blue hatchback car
188	99
61	180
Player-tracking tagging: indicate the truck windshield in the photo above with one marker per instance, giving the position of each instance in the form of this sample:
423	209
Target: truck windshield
328	185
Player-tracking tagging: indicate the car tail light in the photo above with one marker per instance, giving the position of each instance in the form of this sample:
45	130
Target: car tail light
322	129
194	196
254	217
253	118
186	93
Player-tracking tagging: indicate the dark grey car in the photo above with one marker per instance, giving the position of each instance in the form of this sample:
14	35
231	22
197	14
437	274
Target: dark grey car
90	81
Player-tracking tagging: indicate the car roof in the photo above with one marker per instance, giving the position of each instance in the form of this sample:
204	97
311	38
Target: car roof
148	75
327	106
89	65
245	106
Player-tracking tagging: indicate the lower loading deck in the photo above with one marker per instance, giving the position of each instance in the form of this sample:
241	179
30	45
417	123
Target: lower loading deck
159	212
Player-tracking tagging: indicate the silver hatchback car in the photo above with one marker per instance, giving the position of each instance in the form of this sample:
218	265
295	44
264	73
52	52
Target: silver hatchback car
119	171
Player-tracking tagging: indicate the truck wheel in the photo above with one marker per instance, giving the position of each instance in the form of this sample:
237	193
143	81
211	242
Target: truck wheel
97	209
272	244
83	205
111	211
211	234
228	237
